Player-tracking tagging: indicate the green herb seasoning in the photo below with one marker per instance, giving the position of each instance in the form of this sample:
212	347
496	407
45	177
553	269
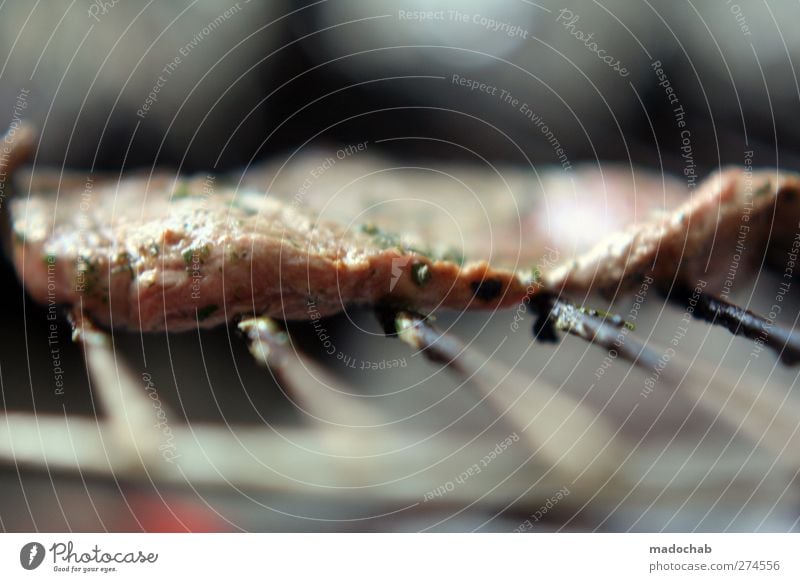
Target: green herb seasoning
420	274
122	264
87	279
201	253
763	190
205	312
181	191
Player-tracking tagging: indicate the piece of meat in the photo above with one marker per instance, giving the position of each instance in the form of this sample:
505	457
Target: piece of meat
305	239
153	254
164	252
608	227
511	217
734	221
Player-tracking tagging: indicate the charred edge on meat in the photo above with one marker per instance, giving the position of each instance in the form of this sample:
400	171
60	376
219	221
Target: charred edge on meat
420	274
205	312
544	329
487	289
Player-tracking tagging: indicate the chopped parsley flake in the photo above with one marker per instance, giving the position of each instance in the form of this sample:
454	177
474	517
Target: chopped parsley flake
205	312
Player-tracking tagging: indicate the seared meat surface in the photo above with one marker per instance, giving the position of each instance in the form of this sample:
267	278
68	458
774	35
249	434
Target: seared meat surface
160	252
733	224
153	254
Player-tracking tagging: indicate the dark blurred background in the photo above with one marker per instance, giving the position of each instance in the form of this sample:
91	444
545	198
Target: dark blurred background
269	77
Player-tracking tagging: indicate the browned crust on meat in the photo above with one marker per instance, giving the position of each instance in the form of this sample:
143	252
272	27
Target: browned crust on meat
181	257
733	218
156	253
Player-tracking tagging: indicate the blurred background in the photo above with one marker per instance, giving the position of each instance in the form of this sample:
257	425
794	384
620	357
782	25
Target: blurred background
675	88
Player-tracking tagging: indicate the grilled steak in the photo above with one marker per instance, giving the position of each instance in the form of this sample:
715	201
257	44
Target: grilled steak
735	221
154	254
304	240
